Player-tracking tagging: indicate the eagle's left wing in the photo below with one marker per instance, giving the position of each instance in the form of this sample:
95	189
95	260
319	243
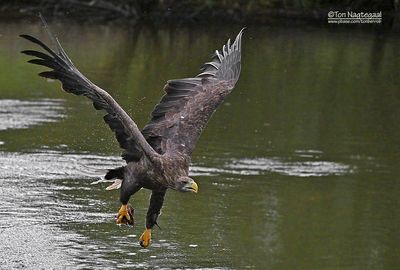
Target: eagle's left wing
183	112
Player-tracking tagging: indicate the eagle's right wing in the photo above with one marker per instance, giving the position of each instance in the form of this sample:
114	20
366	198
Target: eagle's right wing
126	131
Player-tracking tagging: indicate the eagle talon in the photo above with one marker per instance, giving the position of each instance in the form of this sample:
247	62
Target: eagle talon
145	238
125	215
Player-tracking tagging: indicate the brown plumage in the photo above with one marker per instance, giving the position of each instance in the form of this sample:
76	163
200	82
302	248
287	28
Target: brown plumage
157	157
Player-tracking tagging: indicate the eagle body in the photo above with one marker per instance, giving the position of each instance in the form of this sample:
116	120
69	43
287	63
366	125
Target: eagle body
157	156
154	177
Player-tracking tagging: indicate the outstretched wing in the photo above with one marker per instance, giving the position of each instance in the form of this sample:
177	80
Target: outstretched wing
183	112
126	131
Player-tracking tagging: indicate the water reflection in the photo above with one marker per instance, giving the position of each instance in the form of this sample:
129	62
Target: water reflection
292	168
16	114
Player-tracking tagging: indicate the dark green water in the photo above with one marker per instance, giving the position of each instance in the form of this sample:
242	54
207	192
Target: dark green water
298	169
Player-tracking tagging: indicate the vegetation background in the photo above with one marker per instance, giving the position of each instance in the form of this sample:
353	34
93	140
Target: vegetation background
196	11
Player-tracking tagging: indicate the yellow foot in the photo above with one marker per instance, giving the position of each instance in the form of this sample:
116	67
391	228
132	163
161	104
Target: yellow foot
125	215
145	239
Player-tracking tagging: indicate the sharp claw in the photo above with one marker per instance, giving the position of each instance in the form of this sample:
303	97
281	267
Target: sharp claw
125	215
145	238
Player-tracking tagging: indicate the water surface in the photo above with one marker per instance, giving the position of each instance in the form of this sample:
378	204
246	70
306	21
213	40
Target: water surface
298	169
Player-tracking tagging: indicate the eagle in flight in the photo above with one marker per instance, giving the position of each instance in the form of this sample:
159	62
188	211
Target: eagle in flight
158	156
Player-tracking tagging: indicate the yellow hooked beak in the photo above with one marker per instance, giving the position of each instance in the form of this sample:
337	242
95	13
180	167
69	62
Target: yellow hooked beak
194	188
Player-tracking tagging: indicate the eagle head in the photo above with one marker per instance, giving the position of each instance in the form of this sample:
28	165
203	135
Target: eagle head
186	184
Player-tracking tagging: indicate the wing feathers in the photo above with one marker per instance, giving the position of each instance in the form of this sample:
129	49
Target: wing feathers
184	110
225	65
62	68
41	44
37	54
177	120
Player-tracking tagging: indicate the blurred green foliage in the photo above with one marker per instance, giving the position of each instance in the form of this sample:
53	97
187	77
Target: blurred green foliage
194	10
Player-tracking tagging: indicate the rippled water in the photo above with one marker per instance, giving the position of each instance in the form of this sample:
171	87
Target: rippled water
297	170
15	114
46	193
